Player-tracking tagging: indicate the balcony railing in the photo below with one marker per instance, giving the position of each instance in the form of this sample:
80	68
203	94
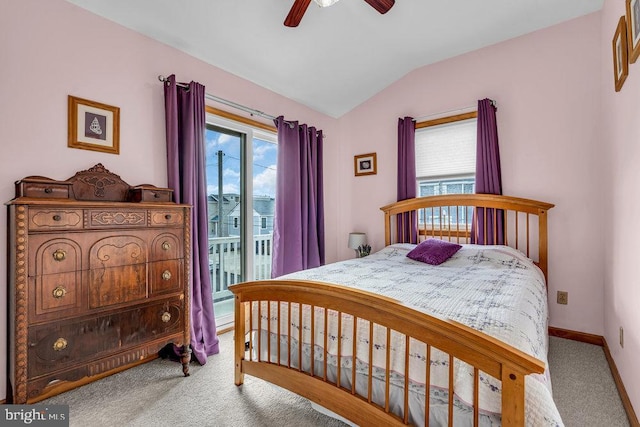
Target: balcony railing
225	265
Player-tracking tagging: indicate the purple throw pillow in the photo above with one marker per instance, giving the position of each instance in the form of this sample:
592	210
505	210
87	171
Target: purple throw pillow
434	251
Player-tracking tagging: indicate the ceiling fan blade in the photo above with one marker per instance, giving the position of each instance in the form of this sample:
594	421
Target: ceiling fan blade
296	13
381	6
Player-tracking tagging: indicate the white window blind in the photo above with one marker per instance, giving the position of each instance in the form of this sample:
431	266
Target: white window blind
446	150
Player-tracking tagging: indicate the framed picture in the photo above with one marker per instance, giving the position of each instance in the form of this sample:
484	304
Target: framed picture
93	126
633	30
620	63
365	164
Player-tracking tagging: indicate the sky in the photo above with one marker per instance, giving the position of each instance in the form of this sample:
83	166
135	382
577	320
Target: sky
264	164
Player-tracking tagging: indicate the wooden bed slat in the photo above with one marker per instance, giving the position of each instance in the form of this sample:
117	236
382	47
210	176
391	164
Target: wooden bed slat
527	234
451	393
407	343
278	333
370	361
299	337
427	382
387	373
325	348
339	347
354	356
476	397
517	236
250	327
269	331
289	334
313	341
259	328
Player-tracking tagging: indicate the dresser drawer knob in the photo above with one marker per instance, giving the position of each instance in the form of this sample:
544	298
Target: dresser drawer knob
166	246
156	195
57	217
166	275
60	344
59	292
59	255
166	316
167	217
48	190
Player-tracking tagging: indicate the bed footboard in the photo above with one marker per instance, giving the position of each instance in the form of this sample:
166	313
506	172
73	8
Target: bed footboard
372	359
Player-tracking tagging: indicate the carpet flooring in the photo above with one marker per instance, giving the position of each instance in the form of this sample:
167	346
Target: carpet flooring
155	394
583	387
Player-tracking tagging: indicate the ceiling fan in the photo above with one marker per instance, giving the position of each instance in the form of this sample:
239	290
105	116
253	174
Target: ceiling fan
300	7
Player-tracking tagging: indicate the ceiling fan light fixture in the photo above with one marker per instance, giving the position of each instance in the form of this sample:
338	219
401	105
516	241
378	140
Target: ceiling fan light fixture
325	3
299	7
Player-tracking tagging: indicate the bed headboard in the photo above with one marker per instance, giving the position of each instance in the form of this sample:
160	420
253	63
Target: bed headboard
458	217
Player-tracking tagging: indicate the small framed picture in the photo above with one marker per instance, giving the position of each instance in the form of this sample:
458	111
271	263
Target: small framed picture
365	164
620	63
93	126
633	30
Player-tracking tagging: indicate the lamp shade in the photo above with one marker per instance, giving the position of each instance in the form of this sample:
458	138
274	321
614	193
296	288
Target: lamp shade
357	239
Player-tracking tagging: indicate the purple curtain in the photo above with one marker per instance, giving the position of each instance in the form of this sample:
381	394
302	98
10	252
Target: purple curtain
407	223
488	227
185	121
298	226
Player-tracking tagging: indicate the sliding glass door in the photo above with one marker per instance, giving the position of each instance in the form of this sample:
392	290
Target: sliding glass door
241	171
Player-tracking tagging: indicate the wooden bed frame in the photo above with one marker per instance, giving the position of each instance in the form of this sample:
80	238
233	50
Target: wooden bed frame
525	228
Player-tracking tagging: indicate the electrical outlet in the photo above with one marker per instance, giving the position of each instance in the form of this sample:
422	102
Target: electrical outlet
621	337
563	297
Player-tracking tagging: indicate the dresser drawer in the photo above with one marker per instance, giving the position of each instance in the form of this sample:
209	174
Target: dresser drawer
149	193
117	270
166	276
53	255
110	218
165	217
55	296
43	219
117	285
42	188
167	246
58	346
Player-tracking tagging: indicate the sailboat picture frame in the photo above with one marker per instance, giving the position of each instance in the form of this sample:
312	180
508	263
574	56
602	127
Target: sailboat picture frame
93	126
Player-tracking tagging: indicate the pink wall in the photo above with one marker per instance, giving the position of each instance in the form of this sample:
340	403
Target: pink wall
51	49
546	85
621	156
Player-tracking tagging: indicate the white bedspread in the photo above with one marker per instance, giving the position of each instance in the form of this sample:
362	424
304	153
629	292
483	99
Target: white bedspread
493	289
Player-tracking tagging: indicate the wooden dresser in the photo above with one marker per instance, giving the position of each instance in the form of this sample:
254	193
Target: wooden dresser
97	280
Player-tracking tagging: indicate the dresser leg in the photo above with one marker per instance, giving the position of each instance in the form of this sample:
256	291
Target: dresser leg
185	359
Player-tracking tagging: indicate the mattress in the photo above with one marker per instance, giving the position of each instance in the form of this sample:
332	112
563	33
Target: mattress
493	289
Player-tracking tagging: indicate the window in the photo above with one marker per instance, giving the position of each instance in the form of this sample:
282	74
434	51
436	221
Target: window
435	187
241	173
446	164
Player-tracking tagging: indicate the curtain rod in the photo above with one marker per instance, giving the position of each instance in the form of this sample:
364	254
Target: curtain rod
235	105
457	110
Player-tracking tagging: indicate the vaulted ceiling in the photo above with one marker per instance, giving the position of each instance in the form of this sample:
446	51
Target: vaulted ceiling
339	56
